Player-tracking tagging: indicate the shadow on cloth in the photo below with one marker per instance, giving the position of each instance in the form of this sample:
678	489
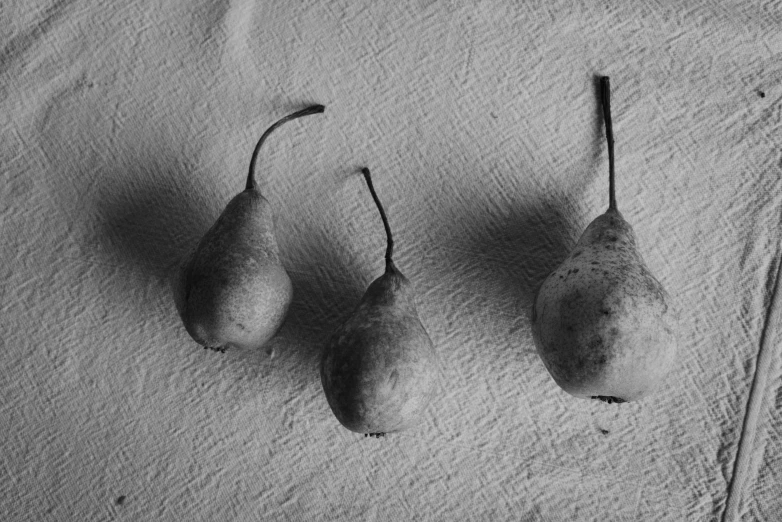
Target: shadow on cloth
503	259
504	262
153	223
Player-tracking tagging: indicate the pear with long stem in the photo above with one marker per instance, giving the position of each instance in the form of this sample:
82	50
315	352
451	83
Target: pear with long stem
601	321
379	368
232	290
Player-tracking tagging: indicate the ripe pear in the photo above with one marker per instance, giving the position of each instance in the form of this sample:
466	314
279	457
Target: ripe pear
379	368
232	289
601	322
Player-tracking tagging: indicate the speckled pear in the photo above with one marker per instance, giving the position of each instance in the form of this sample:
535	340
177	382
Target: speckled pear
601	322
379	368
232	290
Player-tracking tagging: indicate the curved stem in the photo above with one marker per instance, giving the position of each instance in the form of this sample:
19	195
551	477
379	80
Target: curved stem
312	109
605	96
390	240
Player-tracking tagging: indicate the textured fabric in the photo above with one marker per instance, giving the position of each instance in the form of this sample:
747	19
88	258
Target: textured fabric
125	128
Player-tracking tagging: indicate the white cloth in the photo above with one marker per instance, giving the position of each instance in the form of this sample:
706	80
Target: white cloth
127	126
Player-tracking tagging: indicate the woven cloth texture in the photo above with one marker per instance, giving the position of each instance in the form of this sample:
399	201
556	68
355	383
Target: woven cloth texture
126	127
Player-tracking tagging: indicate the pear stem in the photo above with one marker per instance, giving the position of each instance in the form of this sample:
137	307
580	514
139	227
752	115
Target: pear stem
312	109
605	96
389	238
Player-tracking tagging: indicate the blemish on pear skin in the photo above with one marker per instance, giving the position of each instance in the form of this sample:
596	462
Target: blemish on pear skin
393	378
594	345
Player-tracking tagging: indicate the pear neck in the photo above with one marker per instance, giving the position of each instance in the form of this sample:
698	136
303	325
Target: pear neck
391	267
614	213
253	194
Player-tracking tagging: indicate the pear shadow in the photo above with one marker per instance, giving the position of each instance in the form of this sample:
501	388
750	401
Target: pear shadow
505	262
150	227
537	238
520	249
326	289
321	302
150	220
505	259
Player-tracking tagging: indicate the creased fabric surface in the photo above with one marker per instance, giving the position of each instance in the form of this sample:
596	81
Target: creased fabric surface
127	126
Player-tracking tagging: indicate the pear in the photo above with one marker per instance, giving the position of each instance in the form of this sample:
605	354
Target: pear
232	290
601	322
379	368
